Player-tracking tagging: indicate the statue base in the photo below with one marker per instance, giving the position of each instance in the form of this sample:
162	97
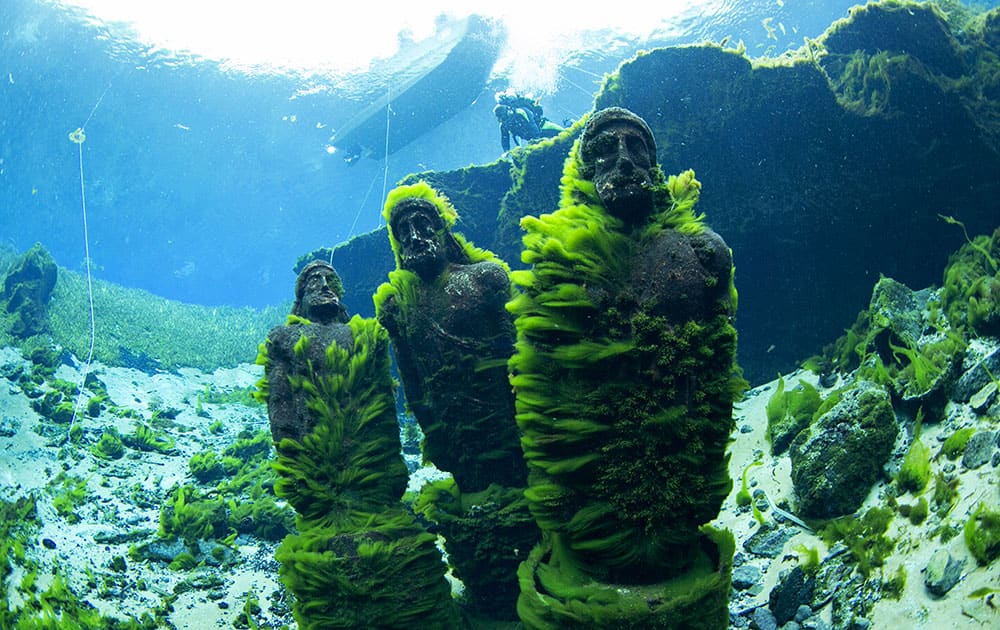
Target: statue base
698	599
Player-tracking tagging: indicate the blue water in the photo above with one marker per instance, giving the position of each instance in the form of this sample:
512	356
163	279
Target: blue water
204	185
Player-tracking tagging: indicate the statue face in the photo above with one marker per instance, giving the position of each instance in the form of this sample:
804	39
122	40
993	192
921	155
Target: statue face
319	300
623	164
417	228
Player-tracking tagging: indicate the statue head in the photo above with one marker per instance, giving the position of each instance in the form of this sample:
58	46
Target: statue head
318	291
419	222
618	153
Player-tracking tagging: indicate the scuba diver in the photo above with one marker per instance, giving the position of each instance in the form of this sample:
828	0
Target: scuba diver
521	118
352	153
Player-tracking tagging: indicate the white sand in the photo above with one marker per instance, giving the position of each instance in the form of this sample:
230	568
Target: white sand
28	465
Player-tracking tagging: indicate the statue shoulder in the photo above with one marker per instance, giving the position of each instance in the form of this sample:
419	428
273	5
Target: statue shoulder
712	251
388	313
282	338
490	275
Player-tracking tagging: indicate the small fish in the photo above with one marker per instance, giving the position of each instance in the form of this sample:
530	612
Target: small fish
770	348
185	270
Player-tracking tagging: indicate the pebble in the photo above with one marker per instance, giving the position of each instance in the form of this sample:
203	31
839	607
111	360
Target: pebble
746	576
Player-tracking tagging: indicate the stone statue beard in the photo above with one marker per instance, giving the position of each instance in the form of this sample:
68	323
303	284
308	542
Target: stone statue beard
323	308
628	197
427	259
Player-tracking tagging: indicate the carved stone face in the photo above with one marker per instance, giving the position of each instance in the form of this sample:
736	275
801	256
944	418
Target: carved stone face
417	228
320	303
623	163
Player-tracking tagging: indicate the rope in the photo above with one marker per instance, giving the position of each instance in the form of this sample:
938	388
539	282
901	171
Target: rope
79	136
385	173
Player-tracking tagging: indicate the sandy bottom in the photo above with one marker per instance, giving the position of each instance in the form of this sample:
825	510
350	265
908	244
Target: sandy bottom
31	462
914	544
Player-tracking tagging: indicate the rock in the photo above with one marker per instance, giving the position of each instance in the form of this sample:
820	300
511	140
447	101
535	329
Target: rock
833	573
762	619
9	426
899	309
979	610
804	612
794	589
815	623
767	542
942	573
746	576
897	317
26	291
978	450
977	376
981	400
836	460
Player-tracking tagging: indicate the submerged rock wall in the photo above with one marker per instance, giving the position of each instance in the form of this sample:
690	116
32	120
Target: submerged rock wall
822	169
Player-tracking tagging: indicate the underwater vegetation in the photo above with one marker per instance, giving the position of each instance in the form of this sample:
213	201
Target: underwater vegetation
137	329
982	534
788	412
915	471
971	284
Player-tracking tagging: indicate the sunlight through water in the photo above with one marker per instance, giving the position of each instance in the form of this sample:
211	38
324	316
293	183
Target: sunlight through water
315	36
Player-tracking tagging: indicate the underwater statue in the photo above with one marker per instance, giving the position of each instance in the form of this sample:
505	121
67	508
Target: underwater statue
625	376
358	554
444	308
319	316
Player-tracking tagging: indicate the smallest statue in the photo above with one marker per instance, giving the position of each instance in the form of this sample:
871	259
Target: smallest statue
319	315
358	554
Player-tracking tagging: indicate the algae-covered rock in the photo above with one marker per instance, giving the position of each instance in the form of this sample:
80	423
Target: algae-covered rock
837	459
904	342
942	573
26	291
898	309
971	284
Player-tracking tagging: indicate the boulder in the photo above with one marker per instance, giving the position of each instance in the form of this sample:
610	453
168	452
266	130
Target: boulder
836	460
26	291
